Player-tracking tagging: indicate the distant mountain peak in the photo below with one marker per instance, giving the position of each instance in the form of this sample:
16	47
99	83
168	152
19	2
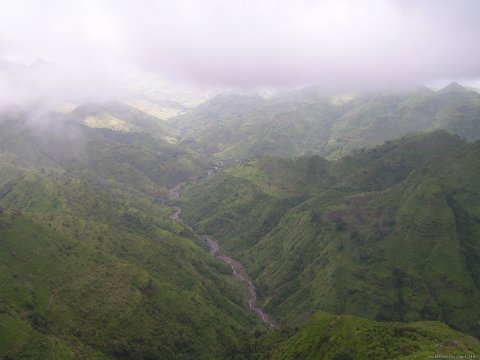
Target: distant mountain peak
453	87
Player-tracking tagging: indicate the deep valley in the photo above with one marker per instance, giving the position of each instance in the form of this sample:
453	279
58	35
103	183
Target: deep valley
243	228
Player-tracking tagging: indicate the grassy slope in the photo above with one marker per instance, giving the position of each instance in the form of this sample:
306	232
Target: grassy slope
93	268
302	122
374	119
239	127
121	117
327	336
86	253
136	160
368	235
95	271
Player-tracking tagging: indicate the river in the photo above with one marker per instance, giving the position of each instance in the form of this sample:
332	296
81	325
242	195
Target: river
237	267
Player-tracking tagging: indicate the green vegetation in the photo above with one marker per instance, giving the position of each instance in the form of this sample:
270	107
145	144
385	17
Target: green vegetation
57	142
97	273
334	337
91	265
121	117
367	235
306	121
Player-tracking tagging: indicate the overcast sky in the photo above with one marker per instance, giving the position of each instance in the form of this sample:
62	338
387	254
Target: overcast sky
339	44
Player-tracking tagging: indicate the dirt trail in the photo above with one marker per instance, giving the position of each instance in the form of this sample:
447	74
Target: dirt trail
237	267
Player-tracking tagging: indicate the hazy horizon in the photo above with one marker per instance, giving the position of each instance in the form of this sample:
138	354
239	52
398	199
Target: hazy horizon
109	49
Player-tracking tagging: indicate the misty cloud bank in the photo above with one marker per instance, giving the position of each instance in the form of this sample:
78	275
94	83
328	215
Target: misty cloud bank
340	45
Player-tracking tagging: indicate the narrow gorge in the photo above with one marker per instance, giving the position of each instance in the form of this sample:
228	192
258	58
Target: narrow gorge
238	269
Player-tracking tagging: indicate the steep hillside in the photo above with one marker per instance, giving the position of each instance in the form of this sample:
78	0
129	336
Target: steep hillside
121	117
92	265
241	127
306	121
138	160
332	337
367	235
93	272
374	119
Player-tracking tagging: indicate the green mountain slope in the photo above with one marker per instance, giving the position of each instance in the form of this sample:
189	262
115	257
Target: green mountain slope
93	274
91	264
137	160
121	117
367	235
306	121
241	127
333	337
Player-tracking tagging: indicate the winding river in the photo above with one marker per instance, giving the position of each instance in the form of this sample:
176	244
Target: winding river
237	267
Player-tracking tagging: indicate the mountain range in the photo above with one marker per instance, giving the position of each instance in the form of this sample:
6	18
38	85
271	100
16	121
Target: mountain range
356	218
303	122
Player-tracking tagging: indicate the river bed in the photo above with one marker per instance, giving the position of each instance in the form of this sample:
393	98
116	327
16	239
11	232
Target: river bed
237	267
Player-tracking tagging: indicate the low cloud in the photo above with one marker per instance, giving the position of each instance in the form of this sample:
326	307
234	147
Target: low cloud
341	44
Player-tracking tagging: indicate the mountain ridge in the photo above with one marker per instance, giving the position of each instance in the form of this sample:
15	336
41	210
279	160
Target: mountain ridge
243	127
354	217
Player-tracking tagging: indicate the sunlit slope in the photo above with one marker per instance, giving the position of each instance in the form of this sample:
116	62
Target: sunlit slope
388	234
118	116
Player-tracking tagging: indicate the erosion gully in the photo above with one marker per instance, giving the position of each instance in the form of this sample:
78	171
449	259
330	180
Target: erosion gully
238	269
